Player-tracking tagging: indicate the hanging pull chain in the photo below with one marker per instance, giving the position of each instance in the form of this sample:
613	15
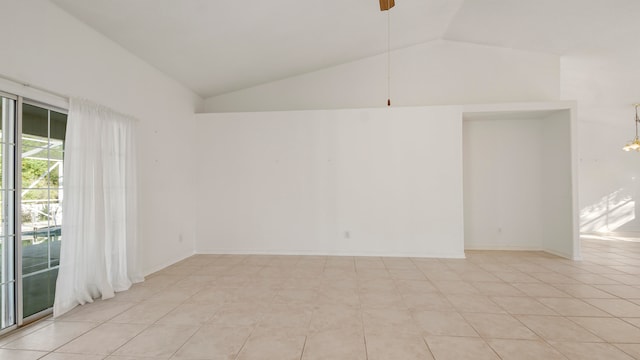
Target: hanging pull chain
388	59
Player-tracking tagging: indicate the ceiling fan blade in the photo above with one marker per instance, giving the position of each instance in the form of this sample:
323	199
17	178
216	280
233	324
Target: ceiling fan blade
386	4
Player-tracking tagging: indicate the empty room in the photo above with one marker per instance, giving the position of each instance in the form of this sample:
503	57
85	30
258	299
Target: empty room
366	179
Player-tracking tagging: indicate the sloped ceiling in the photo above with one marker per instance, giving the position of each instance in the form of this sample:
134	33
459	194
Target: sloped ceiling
214	47
554	26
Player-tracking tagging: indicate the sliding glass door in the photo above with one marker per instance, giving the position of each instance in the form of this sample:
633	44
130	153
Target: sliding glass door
31	175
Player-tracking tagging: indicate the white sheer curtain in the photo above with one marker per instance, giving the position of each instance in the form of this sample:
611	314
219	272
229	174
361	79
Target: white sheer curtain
99	234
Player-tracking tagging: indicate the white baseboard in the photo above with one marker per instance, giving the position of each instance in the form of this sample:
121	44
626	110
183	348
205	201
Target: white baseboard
329	253
502	247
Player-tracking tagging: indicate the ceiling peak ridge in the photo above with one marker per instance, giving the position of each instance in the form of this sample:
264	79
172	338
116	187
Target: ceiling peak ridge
494	46
380	53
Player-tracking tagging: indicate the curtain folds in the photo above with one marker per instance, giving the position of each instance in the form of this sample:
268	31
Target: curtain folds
98	256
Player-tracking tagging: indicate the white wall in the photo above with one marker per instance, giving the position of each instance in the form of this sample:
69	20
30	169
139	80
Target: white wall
502	184
366	182
47	47
557	196
436	73
605	87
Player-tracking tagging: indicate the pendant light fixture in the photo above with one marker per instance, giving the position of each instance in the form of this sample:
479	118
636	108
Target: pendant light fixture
635	144
385	5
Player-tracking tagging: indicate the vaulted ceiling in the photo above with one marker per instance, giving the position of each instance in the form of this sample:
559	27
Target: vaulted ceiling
215	46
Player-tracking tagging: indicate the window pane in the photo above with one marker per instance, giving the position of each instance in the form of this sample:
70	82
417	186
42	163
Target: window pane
58	126
34	201
35	175
38	291
56	152
41	177
35	230
35	122
35	254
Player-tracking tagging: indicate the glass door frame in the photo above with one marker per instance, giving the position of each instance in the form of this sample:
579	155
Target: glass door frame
18	210
9	253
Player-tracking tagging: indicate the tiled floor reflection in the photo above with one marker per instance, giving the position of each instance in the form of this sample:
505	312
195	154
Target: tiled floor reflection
492	305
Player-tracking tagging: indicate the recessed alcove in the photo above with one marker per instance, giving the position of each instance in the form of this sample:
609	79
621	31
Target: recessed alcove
519	178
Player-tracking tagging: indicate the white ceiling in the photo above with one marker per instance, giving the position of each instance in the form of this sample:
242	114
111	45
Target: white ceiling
554	26
215	46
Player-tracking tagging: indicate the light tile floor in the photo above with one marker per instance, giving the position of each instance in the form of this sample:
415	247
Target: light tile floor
492	305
